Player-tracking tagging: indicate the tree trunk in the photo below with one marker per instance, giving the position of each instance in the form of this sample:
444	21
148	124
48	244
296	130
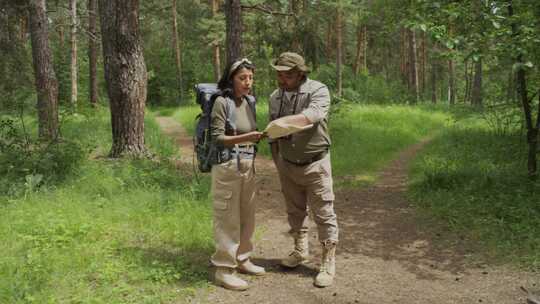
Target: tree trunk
532	129
217	59
92	51
476	94
467	81
296	45
125	73
361	49
177	53
330	45
451	83
339	49
404	62
60	29
423	60
23	28
433	82
413	67
74	88
233	14
46	83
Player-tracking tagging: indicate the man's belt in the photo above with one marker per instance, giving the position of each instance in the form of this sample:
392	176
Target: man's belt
315	158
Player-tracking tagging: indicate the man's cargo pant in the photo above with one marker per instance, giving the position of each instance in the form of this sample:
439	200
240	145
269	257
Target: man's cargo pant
309	186
233	192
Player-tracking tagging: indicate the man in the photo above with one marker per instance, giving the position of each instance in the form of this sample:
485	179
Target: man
303	161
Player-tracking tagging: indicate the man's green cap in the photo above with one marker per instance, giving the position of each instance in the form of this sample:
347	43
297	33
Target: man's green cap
289	60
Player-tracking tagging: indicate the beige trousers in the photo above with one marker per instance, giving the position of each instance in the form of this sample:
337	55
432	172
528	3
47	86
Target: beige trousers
309	186
233	194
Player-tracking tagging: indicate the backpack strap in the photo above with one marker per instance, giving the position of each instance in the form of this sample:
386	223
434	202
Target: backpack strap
252	105
231	120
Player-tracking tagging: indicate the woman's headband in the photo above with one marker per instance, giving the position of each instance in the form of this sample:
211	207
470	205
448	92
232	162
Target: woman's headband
237	63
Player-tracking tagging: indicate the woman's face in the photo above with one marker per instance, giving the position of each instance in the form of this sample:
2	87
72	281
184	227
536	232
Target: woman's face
242	82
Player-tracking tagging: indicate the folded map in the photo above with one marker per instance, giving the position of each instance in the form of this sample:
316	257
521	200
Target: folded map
279	128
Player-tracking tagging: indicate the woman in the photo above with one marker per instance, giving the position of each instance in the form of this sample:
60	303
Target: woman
233	180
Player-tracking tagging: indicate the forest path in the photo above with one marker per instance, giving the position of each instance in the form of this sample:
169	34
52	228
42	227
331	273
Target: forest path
384	255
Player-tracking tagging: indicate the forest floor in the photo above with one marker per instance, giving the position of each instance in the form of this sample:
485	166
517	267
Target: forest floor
387	252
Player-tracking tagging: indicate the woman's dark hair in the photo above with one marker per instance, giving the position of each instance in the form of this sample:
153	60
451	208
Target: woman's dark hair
225	83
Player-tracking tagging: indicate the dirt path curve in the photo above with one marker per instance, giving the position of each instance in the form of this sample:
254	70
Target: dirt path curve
383	256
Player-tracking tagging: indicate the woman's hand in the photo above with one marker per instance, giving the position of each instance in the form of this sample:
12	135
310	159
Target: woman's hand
254	136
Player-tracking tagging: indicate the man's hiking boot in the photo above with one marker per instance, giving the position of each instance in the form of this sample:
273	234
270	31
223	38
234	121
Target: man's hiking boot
328	265
248	267
227	278
300	252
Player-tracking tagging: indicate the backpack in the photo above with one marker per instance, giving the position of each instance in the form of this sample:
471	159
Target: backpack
208	152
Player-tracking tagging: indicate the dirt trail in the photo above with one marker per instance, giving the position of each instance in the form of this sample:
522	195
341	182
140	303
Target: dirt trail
383	256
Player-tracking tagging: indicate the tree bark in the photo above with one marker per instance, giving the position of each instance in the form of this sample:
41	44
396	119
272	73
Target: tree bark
361	49
413	67
339	50
23	28
125	74
233	14
46	83
294	27
177	53
451	83
93	51
74	76
467	80
217	59
423	61
404	62
532	129
433	82
476	94
330	45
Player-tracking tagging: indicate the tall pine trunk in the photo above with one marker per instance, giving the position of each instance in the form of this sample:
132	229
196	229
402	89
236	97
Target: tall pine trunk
476	94
360	63
296	44
404	59
451	83
422	64
233	14
413	67
92	51
215	44
339	50
532	128
74	76
125	73
46	83
433	81
177	52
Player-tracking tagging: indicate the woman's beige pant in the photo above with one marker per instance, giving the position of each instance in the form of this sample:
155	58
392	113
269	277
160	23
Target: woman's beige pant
233	193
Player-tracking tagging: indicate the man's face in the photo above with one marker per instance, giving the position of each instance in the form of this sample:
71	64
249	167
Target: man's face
290	80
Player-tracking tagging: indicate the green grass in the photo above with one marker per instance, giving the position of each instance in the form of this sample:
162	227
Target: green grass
110	231
474	181
366	137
